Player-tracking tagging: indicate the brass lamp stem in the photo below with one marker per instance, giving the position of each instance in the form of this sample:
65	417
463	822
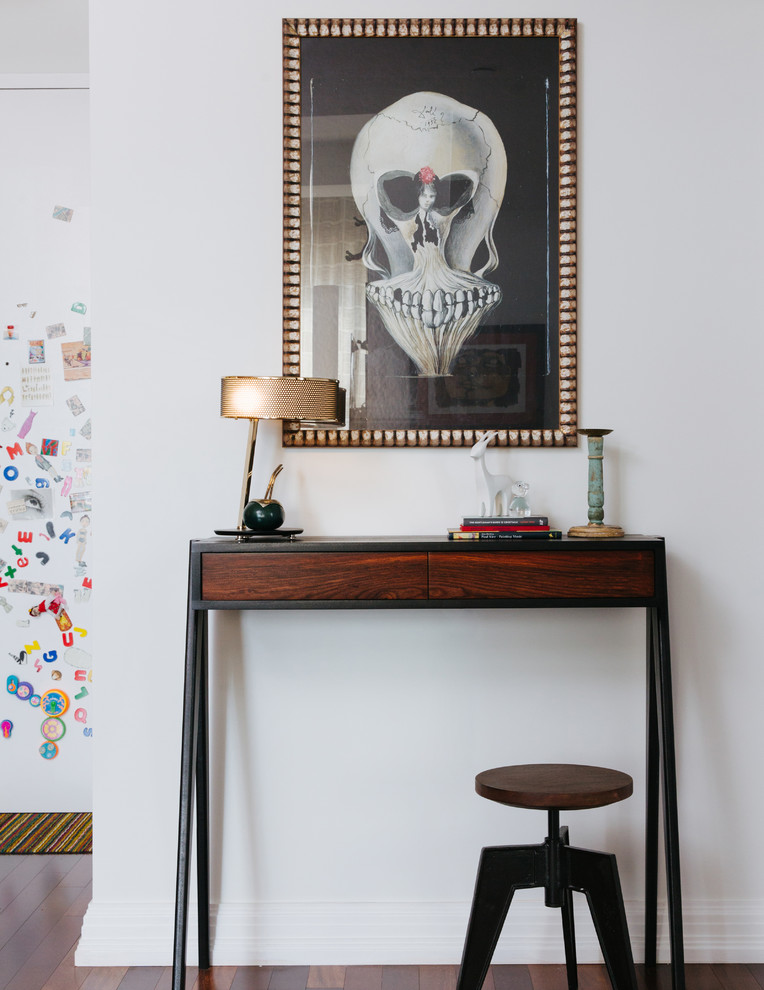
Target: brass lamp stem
248	463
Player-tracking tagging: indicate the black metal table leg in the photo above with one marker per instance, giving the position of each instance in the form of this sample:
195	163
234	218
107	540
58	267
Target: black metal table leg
202	799
569	925
187	769
664	696
653	799
670	813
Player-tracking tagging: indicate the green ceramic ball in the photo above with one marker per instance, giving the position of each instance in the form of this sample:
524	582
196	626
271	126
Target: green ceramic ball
263	515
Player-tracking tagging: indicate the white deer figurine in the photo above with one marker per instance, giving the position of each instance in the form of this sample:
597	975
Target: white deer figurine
499	485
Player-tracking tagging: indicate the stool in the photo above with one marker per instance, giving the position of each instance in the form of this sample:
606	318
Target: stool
555	865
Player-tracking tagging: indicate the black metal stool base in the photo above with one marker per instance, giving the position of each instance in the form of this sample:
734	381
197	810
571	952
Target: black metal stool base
560	869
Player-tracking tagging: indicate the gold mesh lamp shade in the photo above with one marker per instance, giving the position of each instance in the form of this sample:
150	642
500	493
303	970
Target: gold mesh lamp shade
318	400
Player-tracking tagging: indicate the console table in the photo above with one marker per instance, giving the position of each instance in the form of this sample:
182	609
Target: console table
429	572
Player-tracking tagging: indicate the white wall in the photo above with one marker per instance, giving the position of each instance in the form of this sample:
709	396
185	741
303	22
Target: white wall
46	37
342	781
45	265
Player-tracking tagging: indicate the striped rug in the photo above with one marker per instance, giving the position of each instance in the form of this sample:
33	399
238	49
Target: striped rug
41	832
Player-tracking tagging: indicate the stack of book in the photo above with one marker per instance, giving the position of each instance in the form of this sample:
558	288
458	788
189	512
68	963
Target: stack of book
505	528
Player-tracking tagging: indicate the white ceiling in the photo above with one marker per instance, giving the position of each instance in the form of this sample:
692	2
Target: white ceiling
43	36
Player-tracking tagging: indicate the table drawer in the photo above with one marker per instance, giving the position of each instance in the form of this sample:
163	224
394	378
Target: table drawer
543	574
313	576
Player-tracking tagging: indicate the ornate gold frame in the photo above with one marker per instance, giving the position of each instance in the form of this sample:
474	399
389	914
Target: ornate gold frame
565	31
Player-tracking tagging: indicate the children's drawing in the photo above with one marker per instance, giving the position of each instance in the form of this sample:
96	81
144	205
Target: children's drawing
76	356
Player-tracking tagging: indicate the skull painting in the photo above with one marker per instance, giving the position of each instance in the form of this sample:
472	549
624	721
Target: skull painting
428	174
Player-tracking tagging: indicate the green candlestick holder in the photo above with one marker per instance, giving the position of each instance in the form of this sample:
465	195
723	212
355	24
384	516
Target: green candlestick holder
596	494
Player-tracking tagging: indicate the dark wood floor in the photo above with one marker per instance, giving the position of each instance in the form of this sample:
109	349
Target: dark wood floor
43	900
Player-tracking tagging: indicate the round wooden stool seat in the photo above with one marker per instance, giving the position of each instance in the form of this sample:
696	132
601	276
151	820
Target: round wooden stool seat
548	786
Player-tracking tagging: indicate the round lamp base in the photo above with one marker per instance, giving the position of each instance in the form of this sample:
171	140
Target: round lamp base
275	535
596	531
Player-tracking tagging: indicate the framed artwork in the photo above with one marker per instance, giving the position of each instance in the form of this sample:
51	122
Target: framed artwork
430	227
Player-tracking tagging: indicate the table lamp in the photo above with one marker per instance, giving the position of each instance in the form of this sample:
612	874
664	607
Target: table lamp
316	400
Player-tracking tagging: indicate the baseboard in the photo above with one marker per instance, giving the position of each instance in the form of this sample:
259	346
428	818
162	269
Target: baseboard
398	934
